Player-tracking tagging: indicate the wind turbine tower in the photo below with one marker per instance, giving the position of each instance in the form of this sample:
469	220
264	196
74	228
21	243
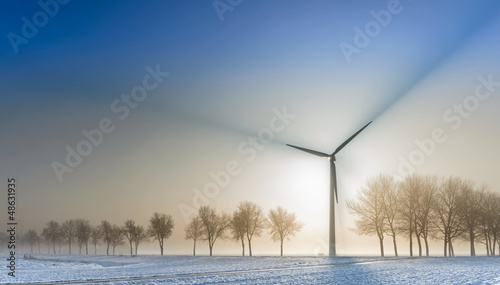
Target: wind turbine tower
333	184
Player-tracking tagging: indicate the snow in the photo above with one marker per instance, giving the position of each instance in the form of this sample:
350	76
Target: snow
253	270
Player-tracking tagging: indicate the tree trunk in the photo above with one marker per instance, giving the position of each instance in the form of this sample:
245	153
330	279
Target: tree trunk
210	247
136	246
250	247
419	242
411	243
395	244
281	247
494	244
69	245
472	249
243	246
426	246
107	248
381	241
445	246
54	246
194	247
131	253
87	249
498	247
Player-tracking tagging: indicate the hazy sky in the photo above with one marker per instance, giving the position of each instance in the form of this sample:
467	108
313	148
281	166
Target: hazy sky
208	81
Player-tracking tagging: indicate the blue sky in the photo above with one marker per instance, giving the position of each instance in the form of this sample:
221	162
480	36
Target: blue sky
225	79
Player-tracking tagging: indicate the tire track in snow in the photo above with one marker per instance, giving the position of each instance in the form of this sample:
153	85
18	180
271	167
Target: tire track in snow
173	276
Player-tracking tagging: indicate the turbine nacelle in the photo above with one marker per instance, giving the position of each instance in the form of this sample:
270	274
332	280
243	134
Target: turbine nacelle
331	157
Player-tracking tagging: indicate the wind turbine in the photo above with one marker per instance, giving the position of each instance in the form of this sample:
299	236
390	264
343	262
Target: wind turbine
333	184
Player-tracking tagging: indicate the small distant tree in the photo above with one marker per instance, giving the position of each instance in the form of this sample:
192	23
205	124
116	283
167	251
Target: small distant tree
69	232
31	237
254	221
238	230
106	229
116	237
215	225
194	231
83	232
128	231
283	225
369	208
160	228
140	235
95	236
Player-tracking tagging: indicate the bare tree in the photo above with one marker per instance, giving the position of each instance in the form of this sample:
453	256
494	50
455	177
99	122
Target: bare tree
446	209
106	229
238	229
370	209
408	199
31	237
283	225
470	212
128	231
160	228
423	211
489	221
83	231
215	225
390	208
47	240
194	231
116	237
254	220
140	235
69	232
95	236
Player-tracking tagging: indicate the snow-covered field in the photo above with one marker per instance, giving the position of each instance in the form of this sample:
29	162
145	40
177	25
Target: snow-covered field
83	269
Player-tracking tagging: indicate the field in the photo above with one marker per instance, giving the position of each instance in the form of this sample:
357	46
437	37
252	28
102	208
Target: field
83	269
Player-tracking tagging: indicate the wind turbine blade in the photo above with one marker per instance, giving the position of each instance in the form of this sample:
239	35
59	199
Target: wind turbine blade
310	151
350	139
333	180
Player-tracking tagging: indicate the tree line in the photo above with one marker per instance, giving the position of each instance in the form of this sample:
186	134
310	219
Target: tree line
420	208
209	225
